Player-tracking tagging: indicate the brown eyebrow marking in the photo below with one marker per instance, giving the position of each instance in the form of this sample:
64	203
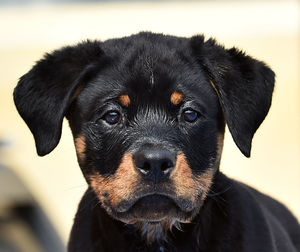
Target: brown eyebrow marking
124	100
176	98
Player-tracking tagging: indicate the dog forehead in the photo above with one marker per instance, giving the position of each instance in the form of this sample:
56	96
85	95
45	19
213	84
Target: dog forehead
148	68
156	66
145	54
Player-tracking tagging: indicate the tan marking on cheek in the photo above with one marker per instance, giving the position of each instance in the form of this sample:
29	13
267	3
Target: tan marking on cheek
205	181
186	184
80	147
176	98
124	100
220	141
119	186
182	177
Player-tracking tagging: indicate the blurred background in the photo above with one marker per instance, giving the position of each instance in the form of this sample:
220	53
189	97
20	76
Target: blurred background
39	196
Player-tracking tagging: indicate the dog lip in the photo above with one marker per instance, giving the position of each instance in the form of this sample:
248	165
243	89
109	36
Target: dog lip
183	204
126	205
153	208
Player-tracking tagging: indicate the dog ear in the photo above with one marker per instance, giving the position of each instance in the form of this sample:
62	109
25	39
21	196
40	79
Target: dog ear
244	87
44	94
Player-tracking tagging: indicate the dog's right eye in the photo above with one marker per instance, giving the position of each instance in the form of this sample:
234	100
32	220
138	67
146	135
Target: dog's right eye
111	117
190	115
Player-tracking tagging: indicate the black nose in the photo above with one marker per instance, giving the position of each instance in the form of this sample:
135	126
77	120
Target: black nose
154	164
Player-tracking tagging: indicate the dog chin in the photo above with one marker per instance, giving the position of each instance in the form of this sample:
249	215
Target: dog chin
156	231
154	216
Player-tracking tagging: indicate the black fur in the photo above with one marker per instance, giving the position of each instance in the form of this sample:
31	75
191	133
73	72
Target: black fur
84	82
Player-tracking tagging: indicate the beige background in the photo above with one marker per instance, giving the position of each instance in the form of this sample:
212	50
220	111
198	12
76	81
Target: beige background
267	30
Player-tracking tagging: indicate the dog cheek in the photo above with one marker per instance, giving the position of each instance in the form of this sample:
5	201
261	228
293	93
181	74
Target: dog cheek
204	182
182	179
187	185
119	187
220	141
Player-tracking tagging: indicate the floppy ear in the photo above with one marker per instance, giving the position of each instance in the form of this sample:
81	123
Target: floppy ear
44	94
244	87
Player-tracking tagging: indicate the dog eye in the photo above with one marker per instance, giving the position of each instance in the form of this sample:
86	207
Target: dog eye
190	115
112	117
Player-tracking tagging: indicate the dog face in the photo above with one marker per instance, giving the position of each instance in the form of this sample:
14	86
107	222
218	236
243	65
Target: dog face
147	113
149	142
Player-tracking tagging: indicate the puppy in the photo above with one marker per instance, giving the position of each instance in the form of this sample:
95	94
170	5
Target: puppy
148	113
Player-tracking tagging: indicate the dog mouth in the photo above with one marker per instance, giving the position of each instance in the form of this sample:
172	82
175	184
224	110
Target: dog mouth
154	208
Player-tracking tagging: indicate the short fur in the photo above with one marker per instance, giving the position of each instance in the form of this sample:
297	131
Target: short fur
148	114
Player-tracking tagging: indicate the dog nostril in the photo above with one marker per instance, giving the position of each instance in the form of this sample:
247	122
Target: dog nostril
146	167
166	165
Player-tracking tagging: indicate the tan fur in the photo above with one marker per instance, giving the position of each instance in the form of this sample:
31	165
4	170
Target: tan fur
119	186
176	98
186	184
220	142
124	100
214	87
80	147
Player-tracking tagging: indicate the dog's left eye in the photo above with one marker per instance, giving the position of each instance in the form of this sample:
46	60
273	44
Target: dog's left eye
112	117
190	115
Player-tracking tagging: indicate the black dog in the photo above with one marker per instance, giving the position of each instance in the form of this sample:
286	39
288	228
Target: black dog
147	113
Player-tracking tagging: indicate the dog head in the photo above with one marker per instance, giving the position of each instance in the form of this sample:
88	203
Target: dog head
147	113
